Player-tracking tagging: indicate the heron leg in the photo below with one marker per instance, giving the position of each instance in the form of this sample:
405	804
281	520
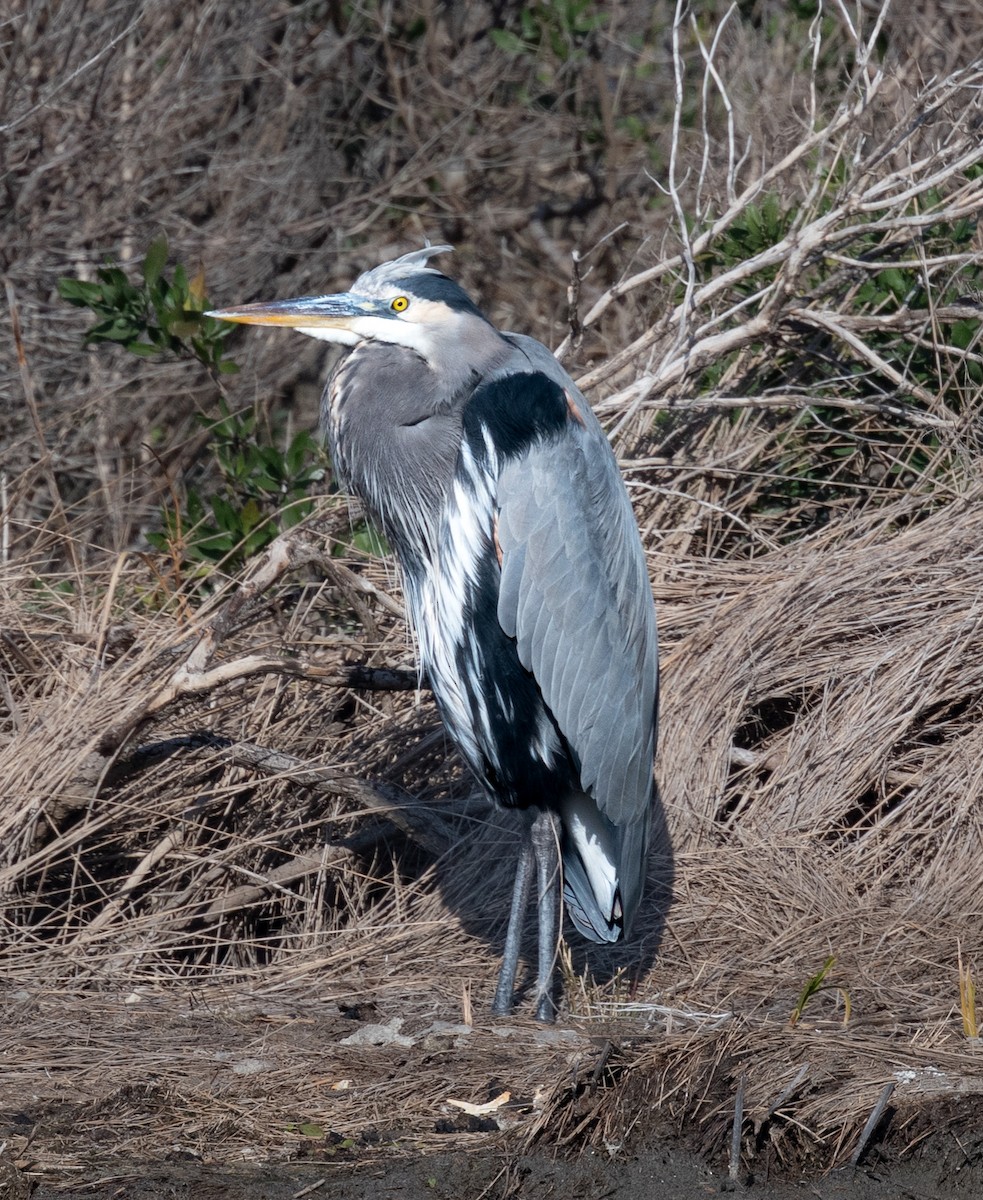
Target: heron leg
505	992
543	836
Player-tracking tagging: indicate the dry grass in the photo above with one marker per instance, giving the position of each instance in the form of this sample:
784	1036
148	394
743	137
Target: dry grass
206	813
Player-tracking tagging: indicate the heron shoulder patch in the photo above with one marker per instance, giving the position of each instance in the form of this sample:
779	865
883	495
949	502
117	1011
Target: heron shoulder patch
514	412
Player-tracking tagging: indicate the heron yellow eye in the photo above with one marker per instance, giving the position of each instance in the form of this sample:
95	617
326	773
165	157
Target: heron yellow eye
400	304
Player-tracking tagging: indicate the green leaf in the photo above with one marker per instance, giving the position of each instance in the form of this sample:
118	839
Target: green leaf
894	279
302	447
295	513
505	40
196	509
78	291
370	541
153	263
813	985
963	333
119	330
263	482
250	516
259	538
226	516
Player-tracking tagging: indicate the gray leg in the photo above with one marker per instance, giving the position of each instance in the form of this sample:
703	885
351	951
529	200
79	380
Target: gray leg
505	992
544	845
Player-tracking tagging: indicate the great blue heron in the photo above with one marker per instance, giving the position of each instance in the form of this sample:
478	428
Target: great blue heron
525	578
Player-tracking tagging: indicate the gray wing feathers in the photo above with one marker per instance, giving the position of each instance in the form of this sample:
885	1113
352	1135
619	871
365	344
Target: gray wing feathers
575	594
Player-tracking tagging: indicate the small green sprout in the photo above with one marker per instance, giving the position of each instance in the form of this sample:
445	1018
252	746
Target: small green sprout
814	985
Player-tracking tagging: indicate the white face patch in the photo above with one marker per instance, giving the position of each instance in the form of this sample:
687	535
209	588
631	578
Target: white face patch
396	330
324	333
411	328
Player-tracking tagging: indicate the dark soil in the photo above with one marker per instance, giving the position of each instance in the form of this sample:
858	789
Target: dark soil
669	1172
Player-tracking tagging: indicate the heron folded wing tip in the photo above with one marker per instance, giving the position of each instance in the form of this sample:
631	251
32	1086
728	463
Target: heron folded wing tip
589	922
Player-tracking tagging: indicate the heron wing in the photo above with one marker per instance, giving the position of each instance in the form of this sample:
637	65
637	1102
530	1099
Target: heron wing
575	595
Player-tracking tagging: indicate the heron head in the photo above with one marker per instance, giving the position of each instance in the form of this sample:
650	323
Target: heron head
403	302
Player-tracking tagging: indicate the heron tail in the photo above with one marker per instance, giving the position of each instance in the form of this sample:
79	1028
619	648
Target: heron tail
603	868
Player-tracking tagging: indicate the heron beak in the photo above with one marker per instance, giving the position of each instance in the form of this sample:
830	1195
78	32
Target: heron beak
306	312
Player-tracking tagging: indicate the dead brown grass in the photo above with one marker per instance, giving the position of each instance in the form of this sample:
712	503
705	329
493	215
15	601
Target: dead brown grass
223	828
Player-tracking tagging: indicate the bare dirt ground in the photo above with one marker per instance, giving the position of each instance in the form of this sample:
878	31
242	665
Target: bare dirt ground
250	908
143	1097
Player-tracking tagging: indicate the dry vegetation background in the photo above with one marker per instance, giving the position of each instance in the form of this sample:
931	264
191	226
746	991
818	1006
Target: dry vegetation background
752	232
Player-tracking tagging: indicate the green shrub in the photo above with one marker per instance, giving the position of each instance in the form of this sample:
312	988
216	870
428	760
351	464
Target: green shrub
264	489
